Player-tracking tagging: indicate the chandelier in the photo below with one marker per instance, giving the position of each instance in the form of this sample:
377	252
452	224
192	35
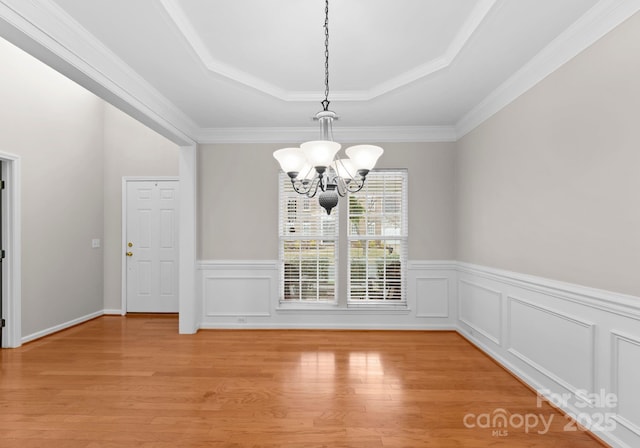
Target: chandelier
314	167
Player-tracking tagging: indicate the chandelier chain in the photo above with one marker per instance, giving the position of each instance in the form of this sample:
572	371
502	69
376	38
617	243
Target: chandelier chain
315	168
325	103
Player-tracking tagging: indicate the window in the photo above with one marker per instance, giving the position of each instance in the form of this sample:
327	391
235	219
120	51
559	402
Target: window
377	237
308	248
376	228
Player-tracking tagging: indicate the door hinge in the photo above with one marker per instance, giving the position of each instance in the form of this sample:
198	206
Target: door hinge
3	323
3	254
1	185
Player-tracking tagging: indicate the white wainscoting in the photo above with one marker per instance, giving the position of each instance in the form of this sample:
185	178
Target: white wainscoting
560	339
245	294
557	337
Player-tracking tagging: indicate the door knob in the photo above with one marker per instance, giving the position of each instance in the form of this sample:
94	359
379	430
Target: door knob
129	254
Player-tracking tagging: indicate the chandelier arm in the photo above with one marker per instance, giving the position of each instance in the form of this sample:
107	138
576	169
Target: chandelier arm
341	186
355	185
301	187
314	187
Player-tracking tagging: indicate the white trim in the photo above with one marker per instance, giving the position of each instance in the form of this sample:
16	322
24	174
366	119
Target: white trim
190	295
330	326
65	45
59	327
249	265
612	302
123	246
353	134
150	178
593	25
422	265
12	243
50	34
297	308
114	312
191	36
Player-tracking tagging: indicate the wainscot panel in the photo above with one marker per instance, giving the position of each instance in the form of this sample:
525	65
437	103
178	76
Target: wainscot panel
480	309
556	344
626	380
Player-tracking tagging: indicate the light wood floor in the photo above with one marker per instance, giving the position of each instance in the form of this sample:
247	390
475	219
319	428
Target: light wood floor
134	382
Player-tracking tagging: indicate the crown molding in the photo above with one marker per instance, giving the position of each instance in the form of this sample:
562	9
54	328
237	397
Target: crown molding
347	134
46	31
65	45
185	27
592	26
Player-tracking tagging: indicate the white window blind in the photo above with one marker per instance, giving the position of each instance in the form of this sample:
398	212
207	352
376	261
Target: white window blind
377	234
308	247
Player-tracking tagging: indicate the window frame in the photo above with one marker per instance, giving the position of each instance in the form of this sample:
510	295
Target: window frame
342	241
402	239
285	195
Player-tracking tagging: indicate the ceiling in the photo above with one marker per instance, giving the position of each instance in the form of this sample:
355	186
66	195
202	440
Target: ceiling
215	69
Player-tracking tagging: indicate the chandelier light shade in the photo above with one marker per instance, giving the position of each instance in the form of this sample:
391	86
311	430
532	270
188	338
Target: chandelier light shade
320	152
313	167
291	160
364	157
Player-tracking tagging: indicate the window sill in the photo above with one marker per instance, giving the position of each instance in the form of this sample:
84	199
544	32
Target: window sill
335	309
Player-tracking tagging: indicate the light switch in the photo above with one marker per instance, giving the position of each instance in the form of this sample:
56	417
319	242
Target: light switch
95	243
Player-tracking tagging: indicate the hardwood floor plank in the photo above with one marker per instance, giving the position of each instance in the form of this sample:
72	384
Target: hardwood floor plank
134	382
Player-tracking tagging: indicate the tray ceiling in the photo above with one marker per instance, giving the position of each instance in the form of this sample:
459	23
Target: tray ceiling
246	64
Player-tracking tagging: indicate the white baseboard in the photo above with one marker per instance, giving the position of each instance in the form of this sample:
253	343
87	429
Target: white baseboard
63	326
113	312
325	326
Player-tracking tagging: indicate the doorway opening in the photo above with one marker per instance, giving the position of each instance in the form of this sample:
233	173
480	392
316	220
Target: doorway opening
10	251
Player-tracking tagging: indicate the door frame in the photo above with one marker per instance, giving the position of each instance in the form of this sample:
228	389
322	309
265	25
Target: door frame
123	249
11	266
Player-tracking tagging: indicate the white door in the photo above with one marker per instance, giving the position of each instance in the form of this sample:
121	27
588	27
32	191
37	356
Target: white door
152	246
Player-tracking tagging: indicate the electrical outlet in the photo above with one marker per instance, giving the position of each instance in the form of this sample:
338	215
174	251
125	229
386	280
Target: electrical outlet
95	243
242	320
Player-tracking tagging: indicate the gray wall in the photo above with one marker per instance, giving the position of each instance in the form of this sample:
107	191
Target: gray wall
130	149
74	150
56	128
238	199
550	185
